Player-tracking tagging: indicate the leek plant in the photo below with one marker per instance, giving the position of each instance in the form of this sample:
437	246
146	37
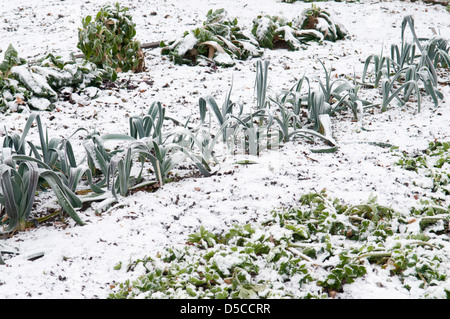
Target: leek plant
120	172
409	73
403	56
381	68
167	156
316	107
287	120
438	50
261	83
353	101
18	193
150	125
389	93
293	98
424	59
254	138
18	190
222	114
54	154
98	159
411	77
329	91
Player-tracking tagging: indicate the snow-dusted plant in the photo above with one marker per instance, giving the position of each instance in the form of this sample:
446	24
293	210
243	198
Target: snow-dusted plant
408	79
99	159
37	85
433	162
309	251
332	90
381	69
402	55
316	18
220	40
18	188
19	182
236	41
314	24
407	71
438	49
276	32
108	40
11	59
149	125
262	68
10	91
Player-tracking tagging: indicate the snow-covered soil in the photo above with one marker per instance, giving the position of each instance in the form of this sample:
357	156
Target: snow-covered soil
78	261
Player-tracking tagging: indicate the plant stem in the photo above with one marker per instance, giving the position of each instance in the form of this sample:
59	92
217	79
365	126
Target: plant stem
43	219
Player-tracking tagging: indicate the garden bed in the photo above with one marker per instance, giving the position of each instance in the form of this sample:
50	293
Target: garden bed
376	155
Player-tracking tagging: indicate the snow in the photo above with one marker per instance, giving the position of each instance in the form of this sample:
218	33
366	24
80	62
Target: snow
188	44
79	261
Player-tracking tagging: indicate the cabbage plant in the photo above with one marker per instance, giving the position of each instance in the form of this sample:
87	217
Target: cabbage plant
219	40
108	40
314	24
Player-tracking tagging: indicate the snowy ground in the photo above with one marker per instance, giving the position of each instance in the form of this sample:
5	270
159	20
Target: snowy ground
78	261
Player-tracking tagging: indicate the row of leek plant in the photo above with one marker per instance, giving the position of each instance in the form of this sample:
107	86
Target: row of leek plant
405	73
27	168
105	175
266	126
410	67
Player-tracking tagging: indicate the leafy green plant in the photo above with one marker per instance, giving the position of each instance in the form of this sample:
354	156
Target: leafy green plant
319	247
18	192
403	56
150	125
219	40
261	83
431	163
236	41
108	40
203	238
381	68
19	186
315	18
37	85
276	32
332	89
314	24
11	59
